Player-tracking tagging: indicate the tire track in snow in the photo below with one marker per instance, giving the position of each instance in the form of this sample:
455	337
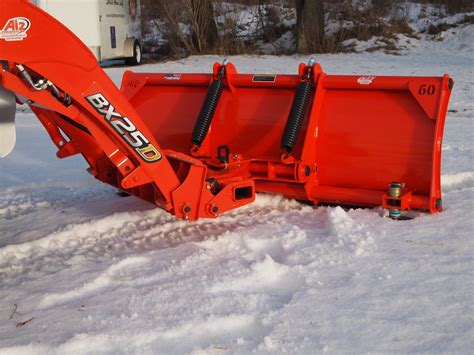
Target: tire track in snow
255	260
99	240
128	274
116	235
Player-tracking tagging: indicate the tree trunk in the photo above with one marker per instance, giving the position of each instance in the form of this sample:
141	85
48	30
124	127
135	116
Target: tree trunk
309	26
204	29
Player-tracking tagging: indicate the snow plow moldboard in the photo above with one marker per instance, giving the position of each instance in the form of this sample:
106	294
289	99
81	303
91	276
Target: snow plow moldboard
198	145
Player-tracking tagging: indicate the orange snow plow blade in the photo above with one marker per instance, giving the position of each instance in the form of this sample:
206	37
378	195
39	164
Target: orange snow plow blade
198	145
358	133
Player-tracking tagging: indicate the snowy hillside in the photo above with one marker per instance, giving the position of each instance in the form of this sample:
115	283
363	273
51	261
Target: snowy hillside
269	26
83	270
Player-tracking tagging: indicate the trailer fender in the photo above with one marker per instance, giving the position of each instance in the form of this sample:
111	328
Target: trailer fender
130	51
128	47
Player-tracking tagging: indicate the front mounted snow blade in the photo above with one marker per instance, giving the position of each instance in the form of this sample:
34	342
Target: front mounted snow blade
198	145
322	138
7	118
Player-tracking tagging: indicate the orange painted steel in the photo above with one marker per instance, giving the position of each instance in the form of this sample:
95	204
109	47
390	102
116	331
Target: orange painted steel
357	135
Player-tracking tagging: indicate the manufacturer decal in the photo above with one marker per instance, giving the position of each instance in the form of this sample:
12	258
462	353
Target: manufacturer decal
125	128
172	76
15	29
365	80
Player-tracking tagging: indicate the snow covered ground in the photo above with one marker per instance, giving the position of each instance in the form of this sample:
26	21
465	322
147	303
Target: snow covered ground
91	272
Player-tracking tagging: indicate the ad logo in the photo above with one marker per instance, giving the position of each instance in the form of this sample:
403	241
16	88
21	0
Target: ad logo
172	76
365	80
15	29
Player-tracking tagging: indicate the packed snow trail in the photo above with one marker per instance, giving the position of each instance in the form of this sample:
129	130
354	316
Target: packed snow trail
98	273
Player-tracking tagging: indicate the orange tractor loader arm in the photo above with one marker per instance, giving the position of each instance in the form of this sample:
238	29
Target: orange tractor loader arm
351	140
55	73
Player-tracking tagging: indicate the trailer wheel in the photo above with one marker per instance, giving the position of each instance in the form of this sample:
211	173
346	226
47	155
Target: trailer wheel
137	54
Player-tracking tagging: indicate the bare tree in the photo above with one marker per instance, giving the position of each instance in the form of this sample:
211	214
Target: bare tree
309	26
204	29
188	25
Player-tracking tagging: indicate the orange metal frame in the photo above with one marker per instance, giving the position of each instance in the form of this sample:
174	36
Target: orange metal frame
359	132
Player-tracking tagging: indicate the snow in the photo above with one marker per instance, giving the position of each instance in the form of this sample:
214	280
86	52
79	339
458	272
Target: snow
98	273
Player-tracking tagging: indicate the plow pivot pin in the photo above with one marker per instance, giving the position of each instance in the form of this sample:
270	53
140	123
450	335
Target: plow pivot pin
395	189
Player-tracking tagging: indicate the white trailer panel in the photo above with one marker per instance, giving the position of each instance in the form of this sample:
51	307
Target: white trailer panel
110	28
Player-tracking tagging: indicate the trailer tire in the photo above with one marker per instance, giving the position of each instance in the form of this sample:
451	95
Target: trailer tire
137	54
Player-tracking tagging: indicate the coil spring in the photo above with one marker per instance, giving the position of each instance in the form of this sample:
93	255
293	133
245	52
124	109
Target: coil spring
296	116
207	111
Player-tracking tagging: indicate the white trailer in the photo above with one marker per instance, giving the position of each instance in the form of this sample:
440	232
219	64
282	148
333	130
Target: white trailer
110	28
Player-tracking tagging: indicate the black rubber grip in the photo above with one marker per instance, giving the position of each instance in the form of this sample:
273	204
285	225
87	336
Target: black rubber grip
296	116
207	111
